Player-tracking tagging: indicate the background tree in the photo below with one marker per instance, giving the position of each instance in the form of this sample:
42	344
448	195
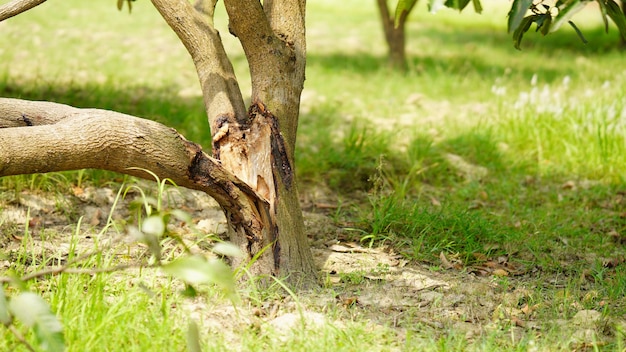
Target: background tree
547	15
394	30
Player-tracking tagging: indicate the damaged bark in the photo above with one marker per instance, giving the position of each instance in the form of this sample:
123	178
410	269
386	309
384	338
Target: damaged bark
68	138
251	170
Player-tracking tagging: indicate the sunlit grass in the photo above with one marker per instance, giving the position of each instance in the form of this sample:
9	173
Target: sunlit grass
478	151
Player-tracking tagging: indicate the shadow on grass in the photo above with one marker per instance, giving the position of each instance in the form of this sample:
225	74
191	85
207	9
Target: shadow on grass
459	52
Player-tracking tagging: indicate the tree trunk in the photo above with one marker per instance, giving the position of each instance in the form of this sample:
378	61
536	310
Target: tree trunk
622	38
251	173
394	35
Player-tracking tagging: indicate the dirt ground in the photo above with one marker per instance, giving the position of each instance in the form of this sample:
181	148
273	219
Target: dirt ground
372	285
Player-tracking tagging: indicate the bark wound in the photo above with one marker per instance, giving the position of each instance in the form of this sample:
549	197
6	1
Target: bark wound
252	148
280	160
229	199
281	167
222	130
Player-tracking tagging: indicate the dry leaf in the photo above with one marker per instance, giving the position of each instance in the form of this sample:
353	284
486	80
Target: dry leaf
479	256
77	191
518	322
569	185
444	261
500	272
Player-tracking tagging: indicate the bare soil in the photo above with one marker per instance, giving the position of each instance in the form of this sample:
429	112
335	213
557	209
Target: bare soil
374	286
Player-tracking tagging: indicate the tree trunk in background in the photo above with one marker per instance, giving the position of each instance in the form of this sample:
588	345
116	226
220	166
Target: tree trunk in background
251	172
394	36
622	39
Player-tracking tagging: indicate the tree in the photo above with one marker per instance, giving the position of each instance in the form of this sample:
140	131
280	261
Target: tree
548	16
250	171
394	30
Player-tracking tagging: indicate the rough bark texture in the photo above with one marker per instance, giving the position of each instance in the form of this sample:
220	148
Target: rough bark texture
394	35
37	137
251	173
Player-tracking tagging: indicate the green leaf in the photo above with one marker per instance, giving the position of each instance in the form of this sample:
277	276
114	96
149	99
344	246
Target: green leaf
567	9
403	6
193	337
197	270
478	8
227	249
436	5
602	7
120	3
27	307
33	311
517	13
522	29
151	240
49	334
543	25
153	225
616	14
189	291
457	4
182	216
580	34
5	316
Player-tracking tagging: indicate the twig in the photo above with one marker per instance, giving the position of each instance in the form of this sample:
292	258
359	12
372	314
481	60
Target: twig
20	338
16	7
65	269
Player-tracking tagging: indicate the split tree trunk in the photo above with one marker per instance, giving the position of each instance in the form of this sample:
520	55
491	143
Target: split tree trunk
394	35
251	172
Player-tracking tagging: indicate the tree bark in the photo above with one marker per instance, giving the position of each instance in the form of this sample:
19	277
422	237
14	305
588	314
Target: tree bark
394	35
251	172
16	7
38	137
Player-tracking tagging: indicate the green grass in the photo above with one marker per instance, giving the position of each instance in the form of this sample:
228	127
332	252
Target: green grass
479	152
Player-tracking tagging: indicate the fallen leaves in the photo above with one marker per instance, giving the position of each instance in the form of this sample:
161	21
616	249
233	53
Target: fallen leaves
484	266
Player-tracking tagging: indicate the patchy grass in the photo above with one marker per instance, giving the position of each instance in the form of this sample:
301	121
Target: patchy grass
486	167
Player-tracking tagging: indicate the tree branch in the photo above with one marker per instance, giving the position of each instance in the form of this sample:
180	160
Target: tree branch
206	8
101	139
16	7
221	92
249	23
273	39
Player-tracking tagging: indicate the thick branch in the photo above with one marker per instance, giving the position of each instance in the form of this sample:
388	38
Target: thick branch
395	35
222	96
206	8
250	24
273	39
101	139
16	7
